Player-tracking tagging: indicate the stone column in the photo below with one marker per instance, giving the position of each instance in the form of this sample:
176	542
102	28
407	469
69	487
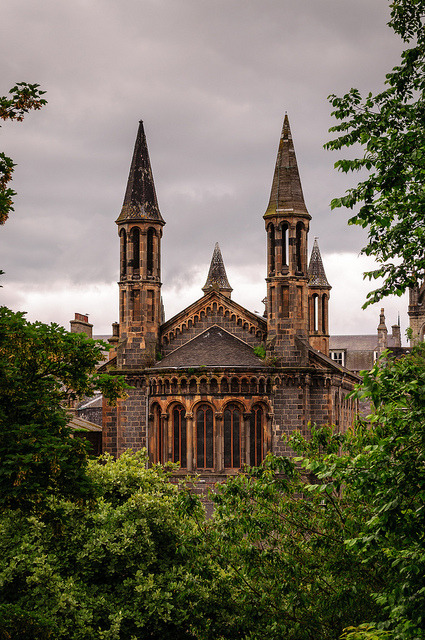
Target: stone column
247	430
219	443
189	441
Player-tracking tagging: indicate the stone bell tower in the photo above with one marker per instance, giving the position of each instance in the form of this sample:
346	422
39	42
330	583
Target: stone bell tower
140	230
287	224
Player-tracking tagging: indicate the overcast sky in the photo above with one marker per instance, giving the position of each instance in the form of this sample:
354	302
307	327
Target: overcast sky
211	80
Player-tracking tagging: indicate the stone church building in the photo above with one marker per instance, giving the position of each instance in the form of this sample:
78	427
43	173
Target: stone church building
218	386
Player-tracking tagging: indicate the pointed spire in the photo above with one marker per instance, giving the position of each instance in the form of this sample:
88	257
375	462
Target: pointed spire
316	272
140	202
217	278
286	195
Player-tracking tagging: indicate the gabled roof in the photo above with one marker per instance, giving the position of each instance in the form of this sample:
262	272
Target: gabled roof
140	202
214	347
206	301
316	272
286	196
217	277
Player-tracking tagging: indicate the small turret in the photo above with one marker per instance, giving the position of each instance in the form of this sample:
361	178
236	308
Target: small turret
217	277
318	301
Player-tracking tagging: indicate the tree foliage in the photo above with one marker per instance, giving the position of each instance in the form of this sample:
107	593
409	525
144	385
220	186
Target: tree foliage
329	544
129	567
390	126
23	97
43	368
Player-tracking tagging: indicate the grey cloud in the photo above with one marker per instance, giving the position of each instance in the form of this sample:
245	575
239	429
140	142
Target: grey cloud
211	80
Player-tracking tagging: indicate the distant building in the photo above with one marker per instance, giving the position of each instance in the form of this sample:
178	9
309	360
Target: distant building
360	352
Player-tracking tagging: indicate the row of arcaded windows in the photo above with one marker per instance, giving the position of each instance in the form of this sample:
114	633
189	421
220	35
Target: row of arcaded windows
242	437
130	251
278	247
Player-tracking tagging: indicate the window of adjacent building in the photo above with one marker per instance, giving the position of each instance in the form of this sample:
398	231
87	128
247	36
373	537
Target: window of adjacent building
232	437
256	437
204	438
338	356
179	436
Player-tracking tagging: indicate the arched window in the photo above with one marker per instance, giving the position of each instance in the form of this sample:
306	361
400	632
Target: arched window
123	243
272	247
179	436
159	436
285	252
324	312
315	312
149	251
135	239
204	438
298	244
256	436
232	437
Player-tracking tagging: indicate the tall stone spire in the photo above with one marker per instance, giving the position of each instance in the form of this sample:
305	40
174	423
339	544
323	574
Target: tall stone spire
217	278
140	202
316	272
286	195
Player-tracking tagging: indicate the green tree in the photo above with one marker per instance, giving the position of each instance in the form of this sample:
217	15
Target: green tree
23	97
390	126
383	467
42	368
131	566
281	537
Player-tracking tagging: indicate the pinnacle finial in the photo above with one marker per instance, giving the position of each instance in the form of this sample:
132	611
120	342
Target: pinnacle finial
217	278
316	271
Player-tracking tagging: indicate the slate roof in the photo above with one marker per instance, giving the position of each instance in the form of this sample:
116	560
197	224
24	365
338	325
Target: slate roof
217	277
286	192
358	343
80	424
140	201
316	271
215	347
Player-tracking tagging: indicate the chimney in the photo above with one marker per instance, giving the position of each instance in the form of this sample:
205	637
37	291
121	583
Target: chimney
114	340
81	325
396	335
